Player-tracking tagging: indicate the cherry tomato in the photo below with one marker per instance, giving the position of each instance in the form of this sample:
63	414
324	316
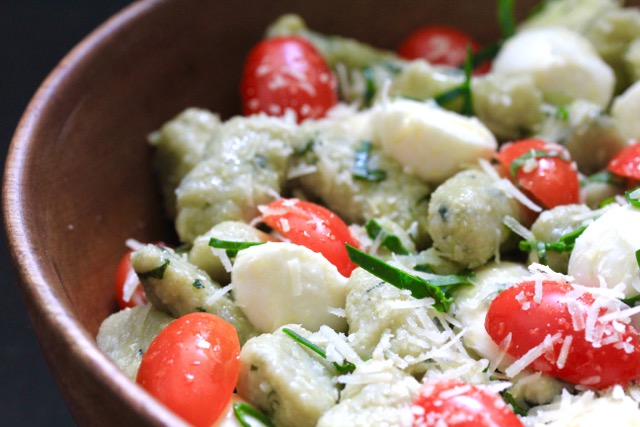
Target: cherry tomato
626	163
543	171
287	73
129	291
561	314
311	225
441	45
192	367
456	404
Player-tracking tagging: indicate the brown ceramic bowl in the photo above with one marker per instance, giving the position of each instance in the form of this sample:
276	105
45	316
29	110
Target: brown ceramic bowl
78	180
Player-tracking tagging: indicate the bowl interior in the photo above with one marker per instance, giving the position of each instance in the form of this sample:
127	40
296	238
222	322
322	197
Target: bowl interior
79	181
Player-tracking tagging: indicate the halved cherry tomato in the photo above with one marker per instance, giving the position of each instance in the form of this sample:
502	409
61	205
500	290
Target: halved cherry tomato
598	354
441	45
626	163
192	366
453	403
287	73
313	226
129	291
544	171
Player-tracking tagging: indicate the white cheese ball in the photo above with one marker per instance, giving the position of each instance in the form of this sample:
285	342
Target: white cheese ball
607	251
472	304
563	64
626	112
279	283
429	141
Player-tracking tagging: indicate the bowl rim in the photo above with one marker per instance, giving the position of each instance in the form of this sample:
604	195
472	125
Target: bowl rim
48	314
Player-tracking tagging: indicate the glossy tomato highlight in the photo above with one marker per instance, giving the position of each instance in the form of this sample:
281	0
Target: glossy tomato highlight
192	367
284	73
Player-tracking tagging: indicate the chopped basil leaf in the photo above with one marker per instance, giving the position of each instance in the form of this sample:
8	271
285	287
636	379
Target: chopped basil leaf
518	162
389	241
198	284
565	243
485	54
201	309
632	301
511	401
633	197
156	273
562	113
370	88
243	410
506	18
604	177
344	368
419	287
463	90
231	247
361	164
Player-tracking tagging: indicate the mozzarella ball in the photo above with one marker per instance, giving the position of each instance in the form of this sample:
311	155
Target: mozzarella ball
279	283
626	111
429	141
472	304
563	64
607	250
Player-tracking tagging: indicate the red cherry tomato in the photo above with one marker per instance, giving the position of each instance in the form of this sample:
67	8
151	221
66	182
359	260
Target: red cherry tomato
192	366
599	356
456	404
442	45
626	163
287	73
549	177
129	291
313	226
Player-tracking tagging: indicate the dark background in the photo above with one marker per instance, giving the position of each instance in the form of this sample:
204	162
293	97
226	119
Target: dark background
34	36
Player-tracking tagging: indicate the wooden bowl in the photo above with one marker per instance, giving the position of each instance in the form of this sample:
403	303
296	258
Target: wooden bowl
78	179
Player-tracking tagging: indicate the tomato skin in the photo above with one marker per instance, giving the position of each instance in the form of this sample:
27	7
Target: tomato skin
192	366
515	311
287	73
313	226
553	182
626	163
441	45
456	404
125	270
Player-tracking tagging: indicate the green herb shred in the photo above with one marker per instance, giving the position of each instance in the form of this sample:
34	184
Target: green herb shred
156	273
565	243
633	197
518	162
242	411
361	164
419	287
506	18
389	241
343	369
463	90
511	401
231	247
198	284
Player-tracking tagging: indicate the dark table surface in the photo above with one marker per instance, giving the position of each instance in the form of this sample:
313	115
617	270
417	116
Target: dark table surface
34	36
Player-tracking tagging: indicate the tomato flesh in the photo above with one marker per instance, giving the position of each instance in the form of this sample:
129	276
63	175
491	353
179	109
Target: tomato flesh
441	45
549	180
456	404
626	163
283	73
556	313
313	226
192	366
125	277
